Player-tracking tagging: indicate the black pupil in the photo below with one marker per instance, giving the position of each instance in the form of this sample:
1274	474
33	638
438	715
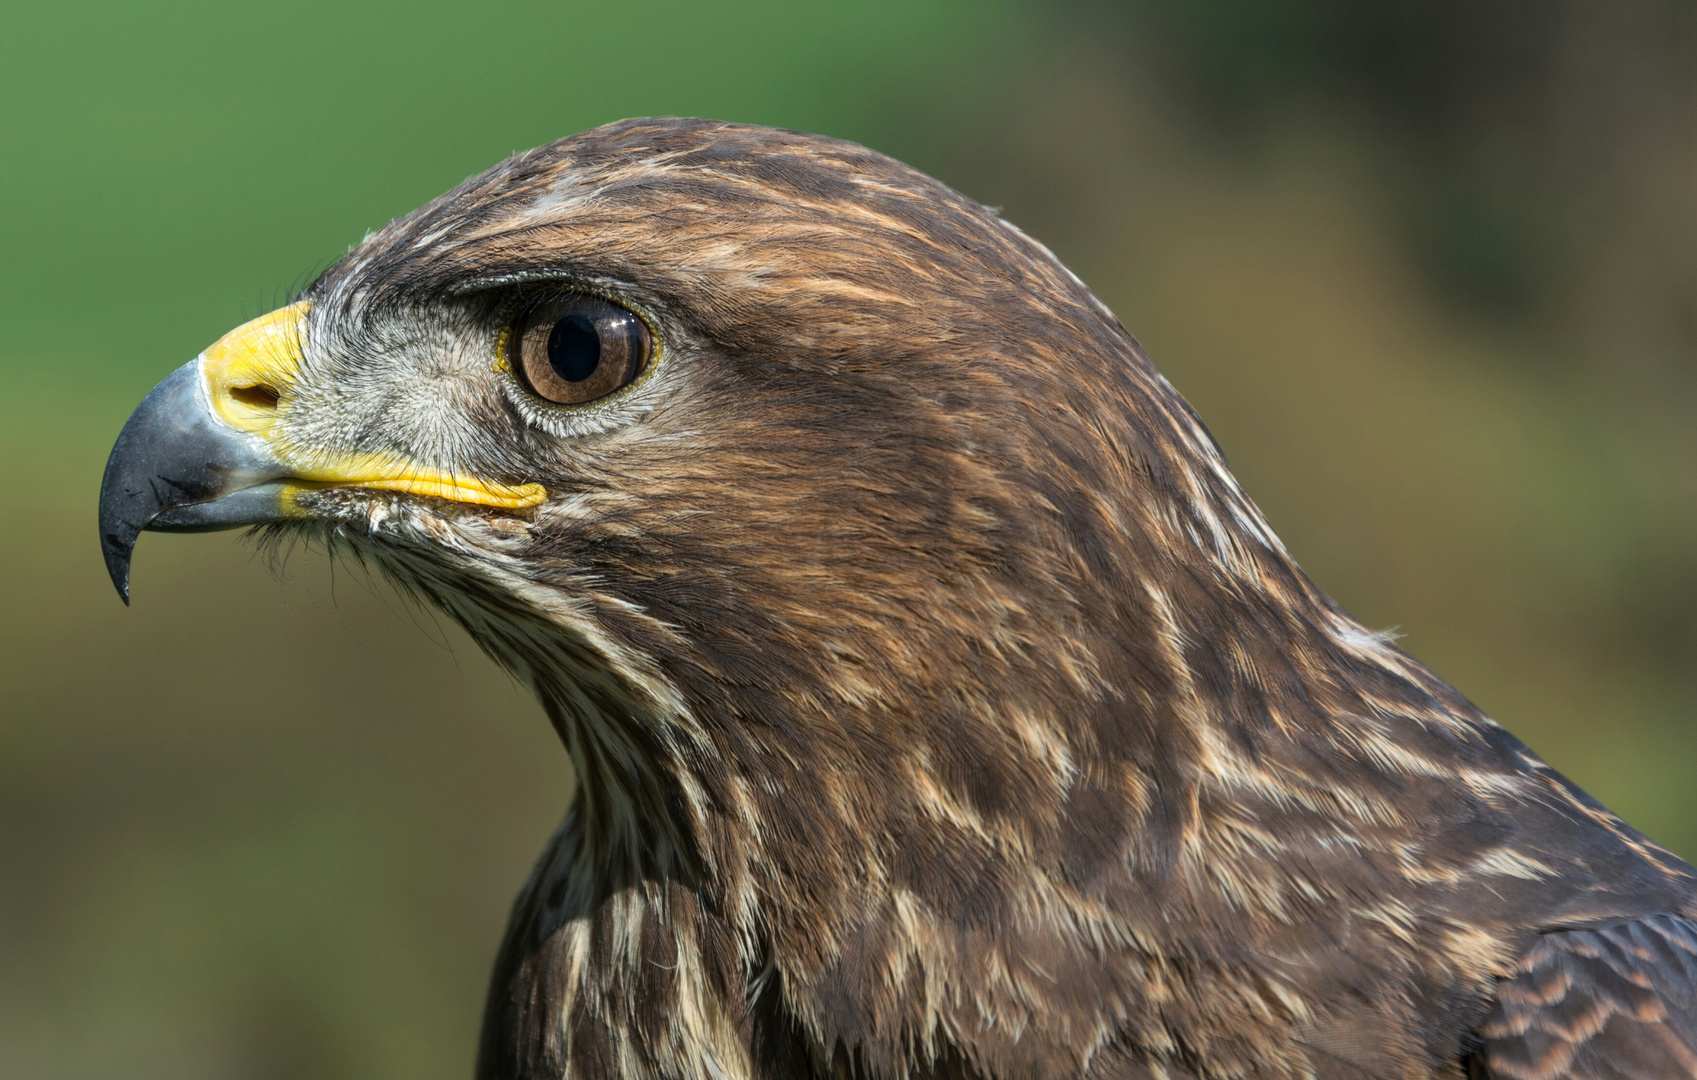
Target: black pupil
574	348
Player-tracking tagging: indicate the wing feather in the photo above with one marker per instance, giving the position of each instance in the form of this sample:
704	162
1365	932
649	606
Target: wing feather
1616	1002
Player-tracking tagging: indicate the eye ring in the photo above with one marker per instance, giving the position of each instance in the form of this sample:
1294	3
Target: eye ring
574	348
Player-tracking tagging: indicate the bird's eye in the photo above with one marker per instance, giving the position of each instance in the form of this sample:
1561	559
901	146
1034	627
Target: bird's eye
576	348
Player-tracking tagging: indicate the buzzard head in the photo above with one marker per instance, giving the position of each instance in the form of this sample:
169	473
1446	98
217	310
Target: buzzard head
934	692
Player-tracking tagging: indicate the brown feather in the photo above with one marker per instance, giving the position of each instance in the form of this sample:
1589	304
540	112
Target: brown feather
941	705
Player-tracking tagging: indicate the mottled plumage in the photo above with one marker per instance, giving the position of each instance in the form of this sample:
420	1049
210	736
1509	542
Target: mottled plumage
940	705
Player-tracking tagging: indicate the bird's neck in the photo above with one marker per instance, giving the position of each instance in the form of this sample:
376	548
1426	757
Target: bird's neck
828	826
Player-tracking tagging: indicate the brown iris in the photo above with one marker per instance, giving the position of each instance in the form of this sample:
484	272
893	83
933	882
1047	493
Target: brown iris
576	348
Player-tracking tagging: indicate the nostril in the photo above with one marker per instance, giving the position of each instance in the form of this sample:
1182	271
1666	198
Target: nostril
258	397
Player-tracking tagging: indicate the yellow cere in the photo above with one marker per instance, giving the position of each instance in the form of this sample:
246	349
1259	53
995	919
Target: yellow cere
250	370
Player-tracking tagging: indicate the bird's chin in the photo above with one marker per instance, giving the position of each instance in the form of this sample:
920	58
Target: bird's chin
432	549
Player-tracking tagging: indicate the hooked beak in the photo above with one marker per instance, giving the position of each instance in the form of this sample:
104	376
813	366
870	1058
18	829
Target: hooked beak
202	450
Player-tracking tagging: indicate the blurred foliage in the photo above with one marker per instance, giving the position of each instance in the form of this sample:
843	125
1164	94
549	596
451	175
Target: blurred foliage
1508	121
1428	270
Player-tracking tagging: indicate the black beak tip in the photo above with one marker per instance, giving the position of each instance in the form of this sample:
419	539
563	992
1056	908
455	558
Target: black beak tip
171	468
141	456
118	564
117	531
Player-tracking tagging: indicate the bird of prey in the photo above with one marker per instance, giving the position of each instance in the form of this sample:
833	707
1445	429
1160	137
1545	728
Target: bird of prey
940	705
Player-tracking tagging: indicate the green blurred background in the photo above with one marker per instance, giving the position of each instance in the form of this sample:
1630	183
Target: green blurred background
1427	269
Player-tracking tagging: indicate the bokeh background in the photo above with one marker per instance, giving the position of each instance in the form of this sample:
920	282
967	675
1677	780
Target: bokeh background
1428	268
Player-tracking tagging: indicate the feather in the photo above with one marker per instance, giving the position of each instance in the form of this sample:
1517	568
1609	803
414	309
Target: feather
941	705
